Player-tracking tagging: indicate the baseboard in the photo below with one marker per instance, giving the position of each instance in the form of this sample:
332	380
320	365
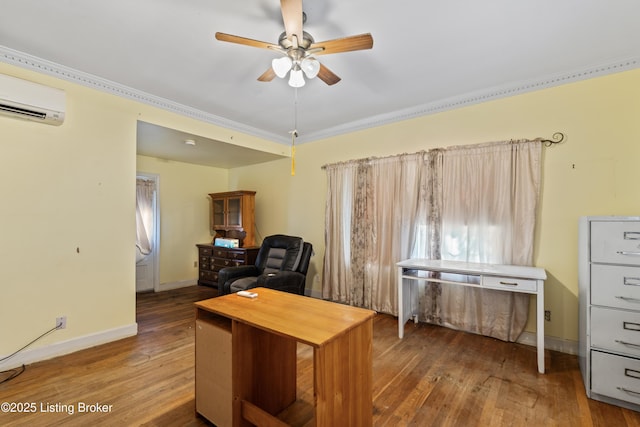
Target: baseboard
69	346
550	343
176	285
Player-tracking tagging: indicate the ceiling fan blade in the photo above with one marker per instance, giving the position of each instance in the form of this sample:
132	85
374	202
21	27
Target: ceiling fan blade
267	76
328	76
346	44
292	17
223	37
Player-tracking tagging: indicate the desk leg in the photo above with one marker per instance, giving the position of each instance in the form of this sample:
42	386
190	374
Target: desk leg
540	325
343	384
401	307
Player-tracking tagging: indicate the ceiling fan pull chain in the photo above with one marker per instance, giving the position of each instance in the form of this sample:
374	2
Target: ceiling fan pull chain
294	132
293	153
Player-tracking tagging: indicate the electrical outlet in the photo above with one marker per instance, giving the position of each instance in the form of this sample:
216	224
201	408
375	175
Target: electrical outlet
61	322
195	264
547	315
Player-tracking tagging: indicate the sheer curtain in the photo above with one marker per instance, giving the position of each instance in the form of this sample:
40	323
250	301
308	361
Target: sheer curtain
473	203
490	195
145	193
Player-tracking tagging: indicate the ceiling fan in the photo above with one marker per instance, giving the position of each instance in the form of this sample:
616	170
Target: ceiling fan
299	49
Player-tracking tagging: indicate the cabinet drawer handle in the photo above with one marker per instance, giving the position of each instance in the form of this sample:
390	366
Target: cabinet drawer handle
631	326
509	283
628	299
626	390
631	235
632	281
628	253
632	373
628	344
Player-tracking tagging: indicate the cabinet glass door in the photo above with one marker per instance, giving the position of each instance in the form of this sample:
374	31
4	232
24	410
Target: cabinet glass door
234	211
218	213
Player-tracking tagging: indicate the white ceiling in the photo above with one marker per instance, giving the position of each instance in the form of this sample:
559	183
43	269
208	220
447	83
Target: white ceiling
428	56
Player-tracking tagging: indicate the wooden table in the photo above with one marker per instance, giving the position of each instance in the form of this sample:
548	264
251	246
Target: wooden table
264	336
509	278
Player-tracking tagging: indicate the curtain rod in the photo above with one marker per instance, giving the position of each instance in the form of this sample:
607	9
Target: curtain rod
557	138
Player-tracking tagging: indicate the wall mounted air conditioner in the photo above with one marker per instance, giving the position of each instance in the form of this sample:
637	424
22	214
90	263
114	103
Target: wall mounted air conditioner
31	101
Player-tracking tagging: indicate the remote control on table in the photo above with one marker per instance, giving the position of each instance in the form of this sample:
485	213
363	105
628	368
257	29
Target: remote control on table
247	294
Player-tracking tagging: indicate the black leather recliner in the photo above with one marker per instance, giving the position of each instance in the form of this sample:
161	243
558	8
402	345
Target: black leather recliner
282	263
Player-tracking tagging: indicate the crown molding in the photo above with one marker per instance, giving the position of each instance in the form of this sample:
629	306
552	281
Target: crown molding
24	60
477	97
53	69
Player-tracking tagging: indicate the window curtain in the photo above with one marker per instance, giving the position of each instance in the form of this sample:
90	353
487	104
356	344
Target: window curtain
472	203
370	216
145	193
490	195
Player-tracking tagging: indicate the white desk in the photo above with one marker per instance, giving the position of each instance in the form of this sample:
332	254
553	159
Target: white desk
509	278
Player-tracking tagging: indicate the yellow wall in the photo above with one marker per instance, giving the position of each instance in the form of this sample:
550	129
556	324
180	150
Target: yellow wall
593	173
184	213
67	213
67	216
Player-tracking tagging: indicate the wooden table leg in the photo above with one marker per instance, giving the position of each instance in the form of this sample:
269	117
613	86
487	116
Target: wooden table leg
343	379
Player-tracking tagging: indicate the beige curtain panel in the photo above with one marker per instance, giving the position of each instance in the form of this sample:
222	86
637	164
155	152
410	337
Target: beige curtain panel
472	203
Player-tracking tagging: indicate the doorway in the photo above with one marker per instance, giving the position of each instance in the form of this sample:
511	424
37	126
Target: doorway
147	232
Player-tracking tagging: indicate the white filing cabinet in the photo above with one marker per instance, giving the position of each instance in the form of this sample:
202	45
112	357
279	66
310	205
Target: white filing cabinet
609	299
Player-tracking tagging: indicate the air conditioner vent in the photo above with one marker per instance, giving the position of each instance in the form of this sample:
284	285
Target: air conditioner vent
31	101
23	111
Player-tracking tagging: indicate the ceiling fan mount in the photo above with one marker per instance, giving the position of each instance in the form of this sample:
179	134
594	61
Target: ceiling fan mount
287	43
299	49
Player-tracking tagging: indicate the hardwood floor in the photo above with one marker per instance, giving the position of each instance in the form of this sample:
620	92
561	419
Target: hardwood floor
433	377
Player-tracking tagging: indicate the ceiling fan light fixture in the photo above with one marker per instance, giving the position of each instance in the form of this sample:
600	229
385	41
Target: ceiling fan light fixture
310	66
281	66
295	78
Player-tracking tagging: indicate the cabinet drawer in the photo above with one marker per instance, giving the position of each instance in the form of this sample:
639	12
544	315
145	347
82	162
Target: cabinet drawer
236	255
615	286
615	242
224	262
205	251
219	253
211	276
615	330
509	283
615	376
205	262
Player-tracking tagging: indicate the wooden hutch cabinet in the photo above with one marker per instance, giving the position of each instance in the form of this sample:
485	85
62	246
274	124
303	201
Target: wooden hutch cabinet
232	216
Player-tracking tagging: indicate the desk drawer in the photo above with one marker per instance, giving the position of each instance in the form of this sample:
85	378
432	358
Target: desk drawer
615	376
615	330
510	284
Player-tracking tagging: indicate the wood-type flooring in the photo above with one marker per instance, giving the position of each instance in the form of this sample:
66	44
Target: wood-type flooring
433	377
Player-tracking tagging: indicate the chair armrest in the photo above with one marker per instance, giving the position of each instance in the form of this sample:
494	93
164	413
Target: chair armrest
288	281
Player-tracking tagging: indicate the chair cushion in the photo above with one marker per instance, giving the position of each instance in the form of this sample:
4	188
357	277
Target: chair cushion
243	283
